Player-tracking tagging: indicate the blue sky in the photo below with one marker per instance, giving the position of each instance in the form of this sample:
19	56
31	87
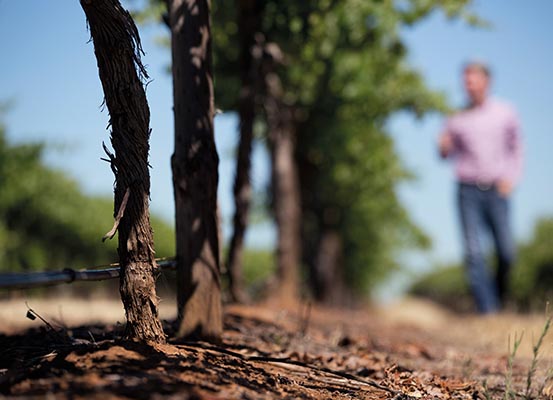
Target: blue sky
48	69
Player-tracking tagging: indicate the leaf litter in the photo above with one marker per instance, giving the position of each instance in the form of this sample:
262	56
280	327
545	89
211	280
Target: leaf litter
265	353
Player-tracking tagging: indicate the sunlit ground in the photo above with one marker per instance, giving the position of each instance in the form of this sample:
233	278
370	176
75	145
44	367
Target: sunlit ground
411	318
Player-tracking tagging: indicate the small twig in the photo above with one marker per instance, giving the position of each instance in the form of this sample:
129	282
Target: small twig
120	214
111	156
32	315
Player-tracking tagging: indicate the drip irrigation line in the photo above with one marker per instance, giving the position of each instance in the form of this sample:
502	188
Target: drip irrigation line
69	275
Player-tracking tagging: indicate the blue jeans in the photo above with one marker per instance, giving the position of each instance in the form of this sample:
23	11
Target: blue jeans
486	211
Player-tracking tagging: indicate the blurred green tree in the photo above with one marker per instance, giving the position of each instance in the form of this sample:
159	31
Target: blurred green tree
47	222
532	283
344	72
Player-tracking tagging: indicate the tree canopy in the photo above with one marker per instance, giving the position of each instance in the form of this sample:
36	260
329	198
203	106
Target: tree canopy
344	68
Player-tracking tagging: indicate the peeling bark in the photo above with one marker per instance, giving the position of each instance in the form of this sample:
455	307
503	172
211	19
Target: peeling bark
118	49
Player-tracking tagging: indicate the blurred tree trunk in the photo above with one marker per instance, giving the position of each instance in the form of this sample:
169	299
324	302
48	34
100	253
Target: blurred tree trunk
249	20
281	131
286	198
117	48
310	211
195	174
330	287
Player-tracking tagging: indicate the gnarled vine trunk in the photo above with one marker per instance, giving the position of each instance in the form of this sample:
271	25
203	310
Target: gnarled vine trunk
117	48
195	176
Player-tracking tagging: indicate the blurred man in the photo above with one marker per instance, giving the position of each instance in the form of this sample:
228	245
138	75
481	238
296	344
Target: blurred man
484	141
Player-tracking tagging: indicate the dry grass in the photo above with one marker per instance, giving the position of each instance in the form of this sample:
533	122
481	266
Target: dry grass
489	333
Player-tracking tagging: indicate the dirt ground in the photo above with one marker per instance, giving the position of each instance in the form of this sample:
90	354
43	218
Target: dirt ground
407	350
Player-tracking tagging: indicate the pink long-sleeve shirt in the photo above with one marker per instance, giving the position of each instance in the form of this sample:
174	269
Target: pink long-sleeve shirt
487	143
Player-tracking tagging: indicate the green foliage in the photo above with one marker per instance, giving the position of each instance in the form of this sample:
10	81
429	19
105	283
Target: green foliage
164	237
350	50
345	69
224	31
46	222
345	72
446	285
353	191
258	266
532	277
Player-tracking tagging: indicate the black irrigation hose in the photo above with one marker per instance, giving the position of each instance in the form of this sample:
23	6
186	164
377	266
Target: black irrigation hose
68	275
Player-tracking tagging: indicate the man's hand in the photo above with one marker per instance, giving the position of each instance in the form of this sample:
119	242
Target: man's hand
504	187
445	143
